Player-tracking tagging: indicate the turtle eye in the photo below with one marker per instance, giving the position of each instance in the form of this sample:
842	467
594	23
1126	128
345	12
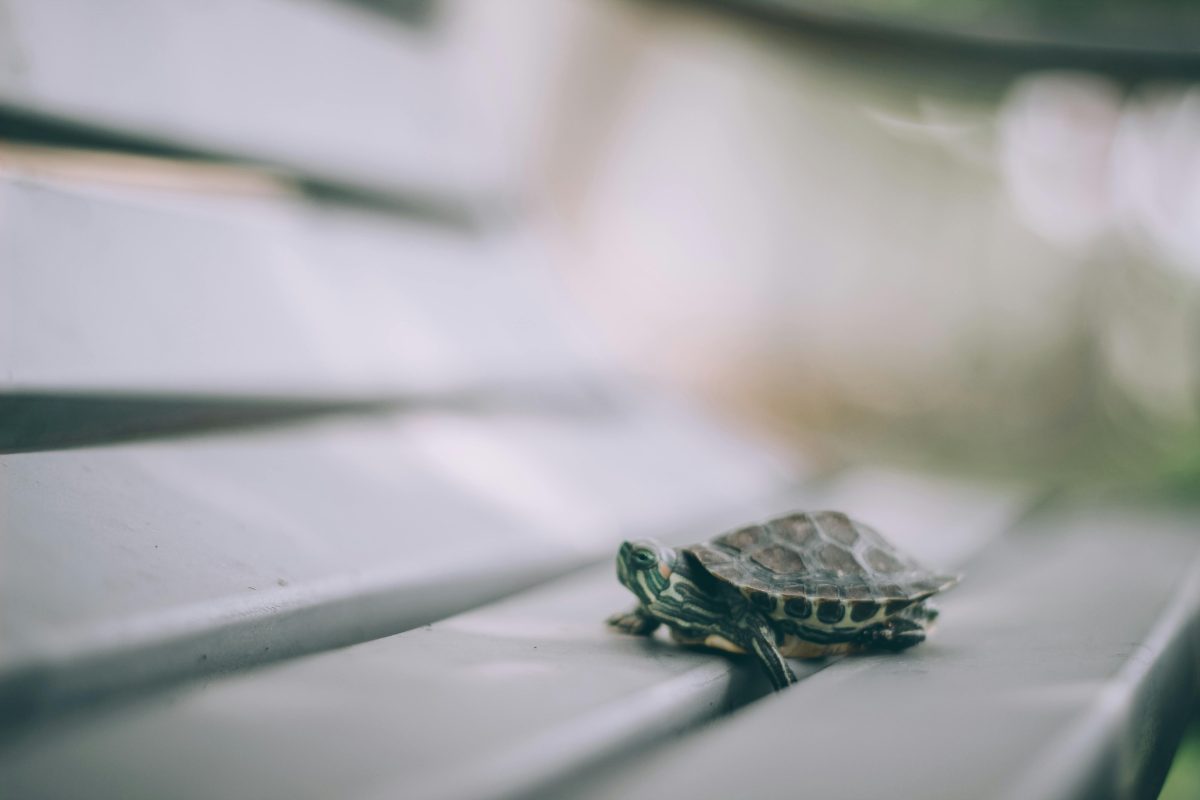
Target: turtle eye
644	558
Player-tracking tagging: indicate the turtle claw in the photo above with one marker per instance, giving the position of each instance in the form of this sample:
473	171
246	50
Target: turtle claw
635	623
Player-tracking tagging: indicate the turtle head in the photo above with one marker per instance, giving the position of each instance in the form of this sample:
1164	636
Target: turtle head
645	568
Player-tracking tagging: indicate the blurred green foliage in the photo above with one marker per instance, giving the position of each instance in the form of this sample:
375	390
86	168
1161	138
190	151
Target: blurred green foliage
1183	781
1050	9
1154	18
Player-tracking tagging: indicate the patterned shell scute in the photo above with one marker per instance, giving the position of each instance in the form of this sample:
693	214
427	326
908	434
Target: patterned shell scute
820	555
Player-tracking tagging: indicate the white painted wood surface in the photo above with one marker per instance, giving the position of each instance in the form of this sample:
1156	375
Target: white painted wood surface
134	292
320	88
513	697
1064	667
128	565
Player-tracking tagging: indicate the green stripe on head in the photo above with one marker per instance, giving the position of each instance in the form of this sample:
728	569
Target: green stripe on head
644	567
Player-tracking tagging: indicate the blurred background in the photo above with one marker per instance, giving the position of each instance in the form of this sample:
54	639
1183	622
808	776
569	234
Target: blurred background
961	234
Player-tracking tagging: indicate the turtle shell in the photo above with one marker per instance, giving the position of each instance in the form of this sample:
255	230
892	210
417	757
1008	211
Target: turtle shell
822	562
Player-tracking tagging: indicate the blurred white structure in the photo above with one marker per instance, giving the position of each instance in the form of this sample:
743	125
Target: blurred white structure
848	242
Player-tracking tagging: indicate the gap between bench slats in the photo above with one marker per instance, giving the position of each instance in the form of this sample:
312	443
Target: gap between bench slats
34	421
40	421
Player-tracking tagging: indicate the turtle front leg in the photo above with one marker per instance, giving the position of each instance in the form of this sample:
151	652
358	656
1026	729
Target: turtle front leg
636	623
761	642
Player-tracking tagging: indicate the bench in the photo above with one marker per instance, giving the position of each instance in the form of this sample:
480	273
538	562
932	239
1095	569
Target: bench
311	479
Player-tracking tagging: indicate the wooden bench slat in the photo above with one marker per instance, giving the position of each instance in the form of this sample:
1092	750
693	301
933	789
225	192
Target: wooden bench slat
1057	672
320	88
129	564
508	698
268	298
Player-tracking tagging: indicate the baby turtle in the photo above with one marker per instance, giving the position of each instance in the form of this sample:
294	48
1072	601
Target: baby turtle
805	584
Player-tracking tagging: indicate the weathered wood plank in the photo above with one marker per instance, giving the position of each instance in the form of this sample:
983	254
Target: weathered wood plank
533	688
1059	671
270	298
320	88
126	565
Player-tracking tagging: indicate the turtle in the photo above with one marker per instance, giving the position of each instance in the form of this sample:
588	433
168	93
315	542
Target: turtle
803	585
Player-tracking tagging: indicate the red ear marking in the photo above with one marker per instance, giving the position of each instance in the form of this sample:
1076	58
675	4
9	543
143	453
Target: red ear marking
664	569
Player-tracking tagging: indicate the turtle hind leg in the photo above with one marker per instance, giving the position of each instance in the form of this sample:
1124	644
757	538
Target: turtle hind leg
898	633
636	622
922	613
